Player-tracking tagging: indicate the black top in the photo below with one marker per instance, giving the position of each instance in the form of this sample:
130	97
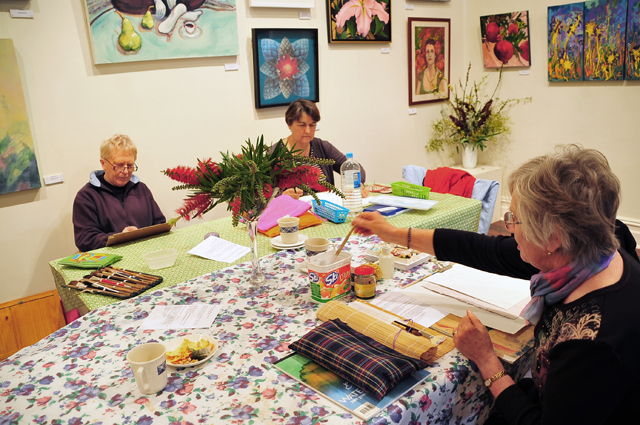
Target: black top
585	360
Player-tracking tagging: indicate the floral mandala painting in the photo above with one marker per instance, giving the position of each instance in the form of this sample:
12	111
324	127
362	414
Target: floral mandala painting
285	66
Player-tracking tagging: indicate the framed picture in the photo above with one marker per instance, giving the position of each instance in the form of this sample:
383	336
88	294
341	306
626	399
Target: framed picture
505	40
633	41
566	42
604	49
429	59
130	31
351	21
285	66
300	4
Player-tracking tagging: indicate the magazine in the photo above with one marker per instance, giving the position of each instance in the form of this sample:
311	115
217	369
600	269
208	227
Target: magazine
340	391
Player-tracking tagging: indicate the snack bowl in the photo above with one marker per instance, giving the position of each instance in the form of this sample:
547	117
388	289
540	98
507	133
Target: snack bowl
173	344
160	259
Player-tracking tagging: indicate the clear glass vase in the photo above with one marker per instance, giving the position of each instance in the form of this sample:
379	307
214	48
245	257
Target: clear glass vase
258	278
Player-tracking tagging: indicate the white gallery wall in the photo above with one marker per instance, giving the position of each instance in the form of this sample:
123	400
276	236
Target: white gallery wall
180	110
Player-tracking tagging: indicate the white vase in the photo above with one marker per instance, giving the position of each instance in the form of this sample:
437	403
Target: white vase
469	156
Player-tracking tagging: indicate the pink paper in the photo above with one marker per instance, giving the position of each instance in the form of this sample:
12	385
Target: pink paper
278	208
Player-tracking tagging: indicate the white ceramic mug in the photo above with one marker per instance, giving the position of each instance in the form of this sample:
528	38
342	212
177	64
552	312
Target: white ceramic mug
149	365
289	227
315	246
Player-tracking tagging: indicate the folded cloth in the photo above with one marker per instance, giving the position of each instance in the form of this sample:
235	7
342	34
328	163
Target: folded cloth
487	192
450	180
414	174
364	362
278	208
307	219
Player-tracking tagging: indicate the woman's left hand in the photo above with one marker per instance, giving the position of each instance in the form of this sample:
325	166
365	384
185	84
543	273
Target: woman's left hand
472	339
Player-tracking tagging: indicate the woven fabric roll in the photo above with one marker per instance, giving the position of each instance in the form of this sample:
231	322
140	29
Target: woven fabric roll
410	345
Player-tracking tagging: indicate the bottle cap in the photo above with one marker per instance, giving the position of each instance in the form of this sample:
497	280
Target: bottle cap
386	249
364	269
349	155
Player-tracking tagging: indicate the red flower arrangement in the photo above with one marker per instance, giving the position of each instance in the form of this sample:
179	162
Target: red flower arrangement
248	181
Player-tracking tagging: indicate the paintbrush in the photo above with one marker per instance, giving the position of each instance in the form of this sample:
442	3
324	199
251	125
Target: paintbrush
108	286
342	245
419	332
114	283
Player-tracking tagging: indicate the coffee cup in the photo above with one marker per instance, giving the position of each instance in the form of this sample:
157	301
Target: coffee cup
149	365
189	27
315	246
289	227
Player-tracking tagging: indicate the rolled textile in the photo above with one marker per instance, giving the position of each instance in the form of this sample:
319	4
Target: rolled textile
417	347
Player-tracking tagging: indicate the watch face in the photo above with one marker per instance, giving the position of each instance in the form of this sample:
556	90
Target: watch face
487	382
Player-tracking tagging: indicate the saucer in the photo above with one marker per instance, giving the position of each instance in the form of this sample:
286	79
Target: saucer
173	344
278	244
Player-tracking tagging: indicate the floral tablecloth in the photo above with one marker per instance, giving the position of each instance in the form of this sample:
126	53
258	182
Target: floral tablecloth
451	212
79	374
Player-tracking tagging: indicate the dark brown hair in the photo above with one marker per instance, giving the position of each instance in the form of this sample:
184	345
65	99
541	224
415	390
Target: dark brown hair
299	107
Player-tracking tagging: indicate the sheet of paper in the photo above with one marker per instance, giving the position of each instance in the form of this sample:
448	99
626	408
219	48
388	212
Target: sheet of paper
181	316
398	303
501	291
219	250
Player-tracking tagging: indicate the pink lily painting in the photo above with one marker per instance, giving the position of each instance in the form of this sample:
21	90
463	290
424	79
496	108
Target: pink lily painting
359	21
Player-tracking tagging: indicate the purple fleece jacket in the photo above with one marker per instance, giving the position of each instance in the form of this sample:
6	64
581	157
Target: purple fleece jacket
97	212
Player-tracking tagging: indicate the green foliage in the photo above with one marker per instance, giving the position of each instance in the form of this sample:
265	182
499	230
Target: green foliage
471	118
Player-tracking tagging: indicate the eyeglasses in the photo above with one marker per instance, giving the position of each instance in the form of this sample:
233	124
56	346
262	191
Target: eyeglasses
123	168
510	221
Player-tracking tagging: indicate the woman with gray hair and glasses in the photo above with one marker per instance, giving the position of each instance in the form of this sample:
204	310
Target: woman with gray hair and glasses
114	200
584	288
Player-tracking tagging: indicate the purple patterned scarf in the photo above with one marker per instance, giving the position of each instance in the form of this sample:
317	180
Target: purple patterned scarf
554	286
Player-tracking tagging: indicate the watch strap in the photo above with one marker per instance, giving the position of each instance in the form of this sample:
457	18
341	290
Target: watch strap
494	378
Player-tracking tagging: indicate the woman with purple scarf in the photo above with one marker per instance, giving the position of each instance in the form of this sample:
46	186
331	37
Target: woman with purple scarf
584	291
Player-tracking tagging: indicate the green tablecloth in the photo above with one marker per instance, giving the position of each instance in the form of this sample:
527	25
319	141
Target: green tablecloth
452	212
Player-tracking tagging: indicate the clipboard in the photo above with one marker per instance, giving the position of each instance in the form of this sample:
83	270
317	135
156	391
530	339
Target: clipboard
118	238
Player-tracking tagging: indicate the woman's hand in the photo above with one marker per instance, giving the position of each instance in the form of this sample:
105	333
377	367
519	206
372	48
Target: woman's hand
129	229
372	223
293	192
472	339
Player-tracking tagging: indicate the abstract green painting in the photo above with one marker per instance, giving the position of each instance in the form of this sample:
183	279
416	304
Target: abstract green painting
18	168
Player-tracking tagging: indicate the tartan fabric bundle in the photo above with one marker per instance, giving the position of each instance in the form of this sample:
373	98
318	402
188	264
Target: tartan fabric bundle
364	362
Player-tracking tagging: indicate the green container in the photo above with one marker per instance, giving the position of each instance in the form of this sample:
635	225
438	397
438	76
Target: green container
410	190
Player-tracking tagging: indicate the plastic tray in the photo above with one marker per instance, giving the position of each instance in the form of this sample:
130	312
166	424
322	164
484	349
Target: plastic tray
330	211
410	190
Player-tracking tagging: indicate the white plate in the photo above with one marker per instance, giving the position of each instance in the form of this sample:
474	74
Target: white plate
173	344
403	263
278	244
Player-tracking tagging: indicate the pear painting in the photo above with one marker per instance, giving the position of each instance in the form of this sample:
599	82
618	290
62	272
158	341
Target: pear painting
142	30
147	20
129	40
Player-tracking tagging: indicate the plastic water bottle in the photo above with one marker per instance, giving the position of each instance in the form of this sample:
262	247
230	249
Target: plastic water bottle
351	185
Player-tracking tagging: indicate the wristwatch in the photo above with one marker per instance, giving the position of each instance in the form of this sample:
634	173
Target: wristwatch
494	378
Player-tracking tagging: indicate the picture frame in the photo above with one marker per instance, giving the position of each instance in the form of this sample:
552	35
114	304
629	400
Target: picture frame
293	4
344	27
123	31
429	41
285	66
505	40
